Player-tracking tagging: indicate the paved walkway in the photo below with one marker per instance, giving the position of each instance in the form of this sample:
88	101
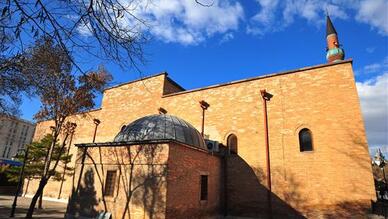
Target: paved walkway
50	209
56	210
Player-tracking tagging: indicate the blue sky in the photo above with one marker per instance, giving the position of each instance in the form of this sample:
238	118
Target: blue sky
200	46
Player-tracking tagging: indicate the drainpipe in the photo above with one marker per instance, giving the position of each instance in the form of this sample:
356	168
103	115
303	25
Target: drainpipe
266	97
96	122
204	106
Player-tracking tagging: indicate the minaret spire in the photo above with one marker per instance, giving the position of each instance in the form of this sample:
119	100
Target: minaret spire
329	27
334	52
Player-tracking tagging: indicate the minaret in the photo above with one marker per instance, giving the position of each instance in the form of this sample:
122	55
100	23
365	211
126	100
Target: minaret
334	52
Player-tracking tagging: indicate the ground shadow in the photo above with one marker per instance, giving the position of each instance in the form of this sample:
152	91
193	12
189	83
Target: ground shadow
51	210
39	213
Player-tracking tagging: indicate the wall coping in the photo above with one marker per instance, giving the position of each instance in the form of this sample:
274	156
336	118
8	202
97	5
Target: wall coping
129	143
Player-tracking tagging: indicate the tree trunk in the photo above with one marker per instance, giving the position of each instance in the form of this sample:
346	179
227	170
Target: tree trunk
31	209
40	201
28	183
126	209
46	162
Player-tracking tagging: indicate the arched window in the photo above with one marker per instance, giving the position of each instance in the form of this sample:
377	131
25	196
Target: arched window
232	143
305	140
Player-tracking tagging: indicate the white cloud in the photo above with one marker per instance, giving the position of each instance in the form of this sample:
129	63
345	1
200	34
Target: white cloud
370	49
275	16
372	68
84	29
374	103
186	22
375	67
180	21
227	37
266	15
374	13
266	18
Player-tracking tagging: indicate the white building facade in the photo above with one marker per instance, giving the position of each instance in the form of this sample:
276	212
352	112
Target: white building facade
15	134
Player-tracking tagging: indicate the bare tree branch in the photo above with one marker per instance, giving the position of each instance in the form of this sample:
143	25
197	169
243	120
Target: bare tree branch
109	25
204	4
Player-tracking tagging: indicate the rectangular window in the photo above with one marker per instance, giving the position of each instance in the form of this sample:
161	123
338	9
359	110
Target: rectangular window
204	187
110	182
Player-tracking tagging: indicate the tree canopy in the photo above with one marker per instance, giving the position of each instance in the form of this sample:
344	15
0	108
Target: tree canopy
105	29
62	93
35	161
111	26
48	71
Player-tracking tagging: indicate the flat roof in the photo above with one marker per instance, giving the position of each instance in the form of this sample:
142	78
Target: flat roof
11	117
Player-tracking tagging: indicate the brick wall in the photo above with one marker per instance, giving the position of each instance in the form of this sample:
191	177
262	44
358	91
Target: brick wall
323	99
165	182
170	87
185	167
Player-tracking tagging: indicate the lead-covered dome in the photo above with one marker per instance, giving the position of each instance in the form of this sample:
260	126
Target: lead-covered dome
161	127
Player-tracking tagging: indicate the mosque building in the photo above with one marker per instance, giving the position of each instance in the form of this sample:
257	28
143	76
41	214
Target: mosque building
284	145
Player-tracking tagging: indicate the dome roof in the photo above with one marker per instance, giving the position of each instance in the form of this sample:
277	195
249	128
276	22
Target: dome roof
161	127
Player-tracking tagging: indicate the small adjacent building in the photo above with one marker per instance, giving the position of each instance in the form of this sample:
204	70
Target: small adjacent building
156	167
